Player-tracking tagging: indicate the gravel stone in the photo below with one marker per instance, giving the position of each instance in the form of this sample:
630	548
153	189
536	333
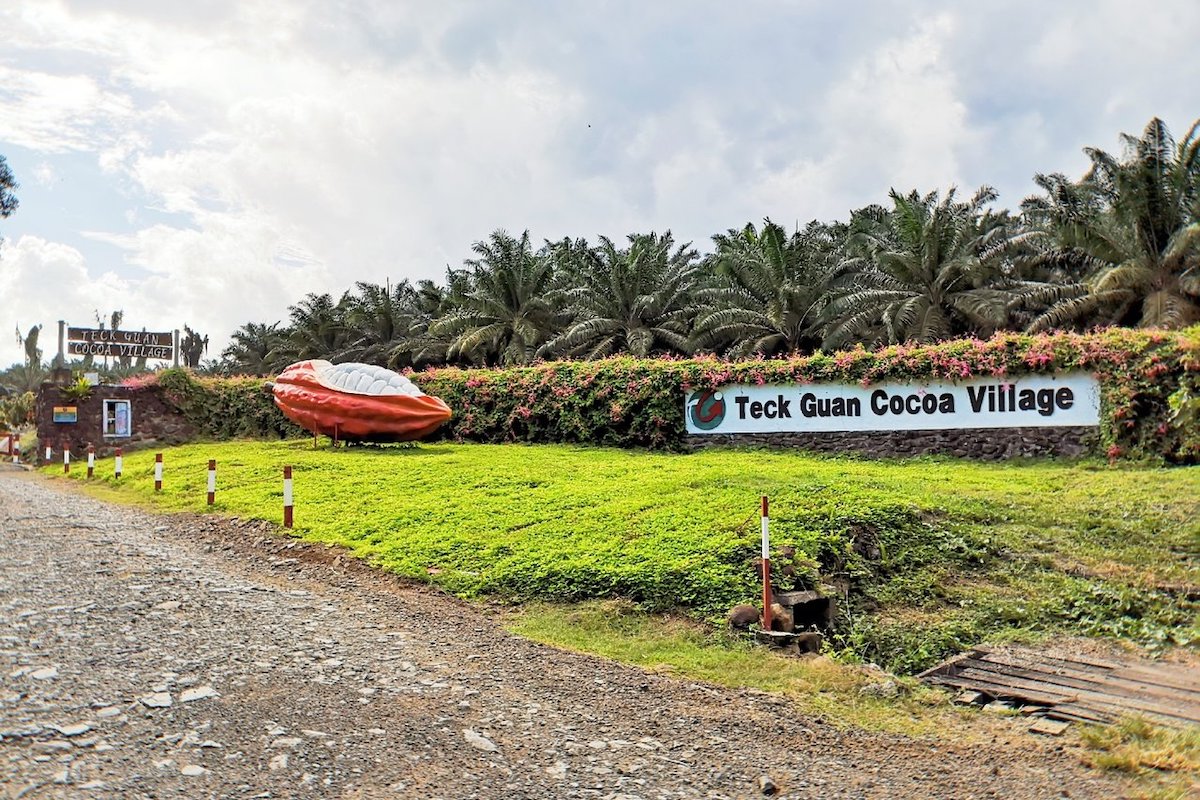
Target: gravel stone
479	741
156	700
293	632
198	693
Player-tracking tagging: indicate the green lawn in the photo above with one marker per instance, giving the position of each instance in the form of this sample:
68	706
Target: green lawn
929	555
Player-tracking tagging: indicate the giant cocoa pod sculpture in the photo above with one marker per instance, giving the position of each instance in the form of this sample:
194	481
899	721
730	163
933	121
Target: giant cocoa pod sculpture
357	401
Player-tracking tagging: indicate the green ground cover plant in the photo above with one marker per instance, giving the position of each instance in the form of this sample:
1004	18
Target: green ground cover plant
927	556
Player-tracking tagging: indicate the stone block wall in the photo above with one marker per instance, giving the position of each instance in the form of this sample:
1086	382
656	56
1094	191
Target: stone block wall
990	444
154	421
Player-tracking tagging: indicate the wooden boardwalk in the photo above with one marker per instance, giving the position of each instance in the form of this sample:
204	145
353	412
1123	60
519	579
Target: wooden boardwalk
1076	688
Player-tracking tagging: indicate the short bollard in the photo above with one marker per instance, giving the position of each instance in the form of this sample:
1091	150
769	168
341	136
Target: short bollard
287	497
767	599
117	464
49	454
212	480
158	472
16	448
66	458
91	461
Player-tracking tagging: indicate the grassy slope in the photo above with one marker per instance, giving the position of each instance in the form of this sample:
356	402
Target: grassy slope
933	554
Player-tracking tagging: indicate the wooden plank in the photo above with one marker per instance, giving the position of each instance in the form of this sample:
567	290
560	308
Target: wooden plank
947	666
1075	714
1179	678
1035	654
1114	684
1162	676
1109	684
1001	690
1017	685
1049	727
1083	697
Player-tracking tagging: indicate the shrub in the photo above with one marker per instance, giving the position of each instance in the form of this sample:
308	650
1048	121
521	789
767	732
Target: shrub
17	410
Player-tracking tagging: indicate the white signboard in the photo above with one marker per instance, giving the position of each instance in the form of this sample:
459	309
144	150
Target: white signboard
1017	402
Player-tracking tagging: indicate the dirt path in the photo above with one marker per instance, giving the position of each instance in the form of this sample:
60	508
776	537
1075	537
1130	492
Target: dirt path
148	656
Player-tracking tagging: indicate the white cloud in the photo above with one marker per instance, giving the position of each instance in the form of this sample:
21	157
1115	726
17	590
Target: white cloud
256	150
42	282
894	120
55	114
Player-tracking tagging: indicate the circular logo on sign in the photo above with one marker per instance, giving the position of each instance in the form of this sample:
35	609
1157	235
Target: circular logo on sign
707	409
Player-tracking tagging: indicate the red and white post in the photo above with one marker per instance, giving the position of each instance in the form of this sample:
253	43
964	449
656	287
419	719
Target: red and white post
287	497
212	480
16	448
66	458
91	461
766	566
49	454
117	465
158	472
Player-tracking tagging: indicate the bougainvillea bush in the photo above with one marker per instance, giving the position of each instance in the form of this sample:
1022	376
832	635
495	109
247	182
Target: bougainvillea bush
1150	394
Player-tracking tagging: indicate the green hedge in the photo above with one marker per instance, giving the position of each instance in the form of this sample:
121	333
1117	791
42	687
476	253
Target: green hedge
221	408
1150	395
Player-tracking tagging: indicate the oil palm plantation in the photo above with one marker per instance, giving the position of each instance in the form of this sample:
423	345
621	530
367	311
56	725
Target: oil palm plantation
250	350
931	268
636	299
317	329
768	292
505	313
1130	231
387	324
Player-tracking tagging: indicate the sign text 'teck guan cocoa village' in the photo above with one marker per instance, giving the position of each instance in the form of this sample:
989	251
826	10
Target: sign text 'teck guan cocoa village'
1013	402
132	344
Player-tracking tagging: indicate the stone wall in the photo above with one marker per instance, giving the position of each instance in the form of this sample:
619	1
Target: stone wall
154	421
989	444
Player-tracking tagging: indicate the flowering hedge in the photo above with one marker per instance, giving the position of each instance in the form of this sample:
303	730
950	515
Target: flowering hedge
1150	396
1150	390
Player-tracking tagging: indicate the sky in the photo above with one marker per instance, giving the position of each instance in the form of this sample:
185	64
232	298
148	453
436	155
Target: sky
210	163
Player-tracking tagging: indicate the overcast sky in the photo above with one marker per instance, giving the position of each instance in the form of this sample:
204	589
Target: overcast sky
209	163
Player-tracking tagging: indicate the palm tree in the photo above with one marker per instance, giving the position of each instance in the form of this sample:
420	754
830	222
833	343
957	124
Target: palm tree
1130	233
249	351
8	200
317	330
931	268
769	290
377	319
505	313
637	299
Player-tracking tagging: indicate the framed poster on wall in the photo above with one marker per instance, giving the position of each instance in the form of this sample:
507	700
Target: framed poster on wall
118	418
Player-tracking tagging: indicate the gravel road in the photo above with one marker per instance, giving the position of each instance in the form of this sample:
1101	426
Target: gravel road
146	656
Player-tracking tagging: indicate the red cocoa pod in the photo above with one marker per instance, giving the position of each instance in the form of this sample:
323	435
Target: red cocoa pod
357	402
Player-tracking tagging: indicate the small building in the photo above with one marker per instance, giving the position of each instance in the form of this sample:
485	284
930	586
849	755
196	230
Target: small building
108	417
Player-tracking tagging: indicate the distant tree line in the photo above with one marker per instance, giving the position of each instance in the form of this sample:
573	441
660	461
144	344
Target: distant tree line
1120	246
